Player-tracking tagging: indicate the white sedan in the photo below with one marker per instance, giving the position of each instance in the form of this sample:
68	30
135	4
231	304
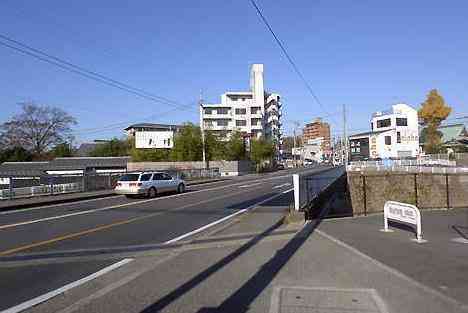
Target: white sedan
148	184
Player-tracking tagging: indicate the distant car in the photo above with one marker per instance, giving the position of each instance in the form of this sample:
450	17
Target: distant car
148	184
280	166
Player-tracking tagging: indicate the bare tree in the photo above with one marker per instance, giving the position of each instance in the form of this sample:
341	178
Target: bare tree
37	128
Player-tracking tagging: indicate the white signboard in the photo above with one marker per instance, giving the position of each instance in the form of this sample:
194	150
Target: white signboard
403	212
154	139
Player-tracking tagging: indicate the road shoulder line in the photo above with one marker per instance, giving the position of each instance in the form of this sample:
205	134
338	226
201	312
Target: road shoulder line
35	301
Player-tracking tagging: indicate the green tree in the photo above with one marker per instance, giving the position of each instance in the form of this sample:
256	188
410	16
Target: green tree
149	155
187	144
262	151
61	150
214	147
432	112
115	147
235	148
15	154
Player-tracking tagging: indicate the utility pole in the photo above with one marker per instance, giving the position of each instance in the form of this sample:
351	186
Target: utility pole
202	128
296	125
345	138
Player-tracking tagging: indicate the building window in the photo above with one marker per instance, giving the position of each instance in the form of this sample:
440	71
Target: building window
209	123
241	122
400	121
384	123
388	140
150	141
243	99
372	126
241	111
222	110
208	111
168	141
255	121
254	110
223	122
398	137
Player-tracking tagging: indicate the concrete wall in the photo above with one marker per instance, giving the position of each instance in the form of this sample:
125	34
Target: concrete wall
226	168
425	190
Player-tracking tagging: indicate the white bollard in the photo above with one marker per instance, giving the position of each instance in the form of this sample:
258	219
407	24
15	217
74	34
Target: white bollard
296	191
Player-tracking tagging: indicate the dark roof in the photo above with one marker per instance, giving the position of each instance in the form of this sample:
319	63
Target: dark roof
86	162
154	126
23	168
75	163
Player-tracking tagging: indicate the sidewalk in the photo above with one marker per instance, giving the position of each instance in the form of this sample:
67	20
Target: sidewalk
257	264
69	197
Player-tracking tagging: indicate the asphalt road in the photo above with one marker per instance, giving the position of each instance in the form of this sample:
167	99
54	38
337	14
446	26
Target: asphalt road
116	222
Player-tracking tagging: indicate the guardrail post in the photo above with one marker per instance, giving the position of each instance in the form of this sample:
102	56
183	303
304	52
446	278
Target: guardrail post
51	182
416	188
10	187
364	194
447	190
296	191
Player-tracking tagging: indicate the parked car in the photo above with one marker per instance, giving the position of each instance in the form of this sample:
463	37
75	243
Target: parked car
148	184
280	166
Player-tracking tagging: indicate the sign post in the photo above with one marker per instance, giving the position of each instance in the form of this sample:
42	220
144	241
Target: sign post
403	212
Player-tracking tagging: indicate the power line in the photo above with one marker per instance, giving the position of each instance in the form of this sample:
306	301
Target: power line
79	70
289	58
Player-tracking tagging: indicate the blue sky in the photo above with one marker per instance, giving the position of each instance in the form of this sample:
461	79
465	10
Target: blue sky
365	54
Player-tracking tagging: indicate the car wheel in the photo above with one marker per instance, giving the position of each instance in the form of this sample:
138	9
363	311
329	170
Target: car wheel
181	188
152	192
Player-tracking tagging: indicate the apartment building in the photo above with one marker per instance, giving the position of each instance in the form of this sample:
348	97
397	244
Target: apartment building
254	113
317	129
394	134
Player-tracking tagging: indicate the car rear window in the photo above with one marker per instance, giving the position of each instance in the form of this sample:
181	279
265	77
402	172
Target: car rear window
130	177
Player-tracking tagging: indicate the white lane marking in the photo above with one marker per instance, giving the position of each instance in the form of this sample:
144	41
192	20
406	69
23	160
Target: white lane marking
391	270
287	191
30	303
113	207
116	196
109	288
58	204
193	232
282	185
250	185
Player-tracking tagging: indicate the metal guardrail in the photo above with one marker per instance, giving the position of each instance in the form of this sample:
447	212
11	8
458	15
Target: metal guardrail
308	186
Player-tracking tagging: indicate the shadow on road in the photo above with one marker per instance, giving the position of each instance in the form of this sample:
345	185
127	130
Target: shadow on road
241	299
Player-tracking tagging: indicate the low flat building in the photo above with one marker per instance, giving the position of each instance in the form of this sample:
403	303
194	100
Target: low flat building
394	134
153	136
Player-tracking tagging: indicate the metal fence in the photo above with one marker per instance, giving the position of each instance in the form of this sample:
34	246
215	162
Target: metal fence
29	186
194	173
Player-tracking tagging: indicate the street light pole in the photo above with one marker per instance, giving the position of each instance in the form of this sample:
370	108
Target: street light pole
202	128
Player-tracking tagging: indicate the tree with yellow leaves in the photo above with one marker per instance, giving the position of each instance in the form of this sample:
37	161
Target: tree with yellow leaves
432	112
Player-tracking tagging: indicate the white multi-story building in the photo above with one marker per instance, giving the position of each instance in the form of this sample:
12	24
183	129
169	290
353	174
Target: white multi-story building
394	134
152	136
253	113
